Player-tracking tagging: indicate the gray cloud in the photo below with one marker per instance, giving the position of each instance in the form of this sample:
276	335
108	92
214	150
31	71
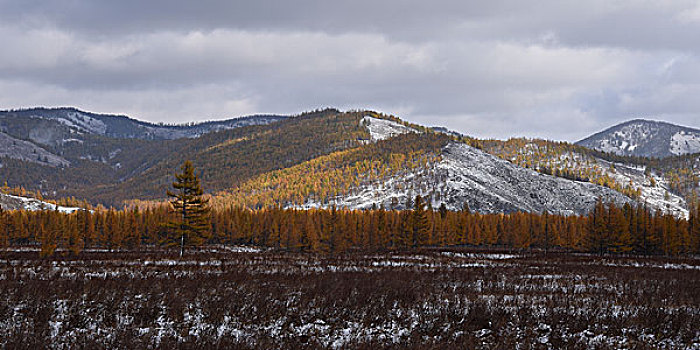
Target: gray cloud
554	69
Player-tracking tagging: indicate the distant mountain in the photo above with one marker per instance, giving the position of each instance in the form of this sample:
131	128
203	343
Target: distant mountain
645	138
51	126
51	136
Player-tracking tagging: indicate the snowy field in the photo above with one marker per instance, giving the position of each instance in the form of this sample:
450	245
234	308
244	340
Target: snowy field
247	298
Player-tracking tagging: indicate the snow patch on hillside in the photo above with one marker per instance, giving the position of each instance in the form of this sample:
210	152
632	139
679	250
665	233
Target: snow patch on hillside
382	129
606	146
625	140
82	122
655	197
10	202
685	143
490	184
661	198
11	147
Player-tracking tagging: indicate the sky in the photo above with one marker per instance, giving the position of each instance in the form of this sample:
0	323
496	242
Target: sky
554	69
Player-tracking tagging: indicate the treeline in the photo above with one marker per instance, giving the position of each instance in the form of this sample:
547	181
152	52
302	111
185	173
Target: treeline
607	229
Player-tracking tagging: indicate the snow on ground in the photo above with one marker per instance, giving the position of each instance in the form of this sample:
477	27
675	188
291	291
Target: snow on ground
382	129
487	256
72	140
605	146
684	143
457	296
666	266
660	197
10	202
233	249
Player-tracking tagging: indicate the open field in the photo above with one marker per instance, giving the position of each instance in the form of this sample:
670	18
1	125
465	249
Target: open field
244	298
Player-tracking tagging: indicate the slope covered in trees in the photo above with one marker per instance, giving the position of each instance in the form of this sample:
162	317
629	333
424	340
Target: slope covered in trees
108	170
661	181
336	174
228	158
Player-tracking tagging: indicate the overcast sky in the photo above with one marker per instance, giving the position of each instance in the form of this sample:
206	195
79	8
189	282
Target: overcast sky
555	69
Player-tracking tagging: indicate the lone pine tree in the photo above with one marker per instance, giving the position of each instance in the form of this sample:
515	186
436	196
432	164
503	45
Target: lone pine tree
193	224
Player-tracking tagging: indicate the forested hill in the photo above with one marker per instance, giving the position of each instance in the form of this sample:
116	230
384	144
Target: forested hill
645	138
357	159
670	184
227	158
109	170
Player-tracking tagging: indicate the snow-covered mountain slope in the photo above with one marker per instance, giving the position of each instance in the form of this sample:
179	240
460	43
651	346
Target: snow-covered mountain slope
651	188
645	138
487	184
9	202
656	194
11	147
79	121
685	142
116	126
382	129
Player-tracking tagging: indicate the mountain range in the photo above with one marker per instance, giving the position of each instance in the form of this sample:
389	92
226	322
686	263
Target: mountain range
355	159
52	126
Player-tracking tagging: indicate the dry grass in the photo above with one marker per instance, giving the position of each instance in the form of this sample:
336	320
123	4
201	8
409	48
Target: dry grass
423	299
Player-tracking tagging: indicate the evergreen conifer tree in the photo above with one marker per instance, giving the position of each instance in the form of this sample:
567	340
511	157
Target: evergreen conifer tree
193	224
421	223
598	229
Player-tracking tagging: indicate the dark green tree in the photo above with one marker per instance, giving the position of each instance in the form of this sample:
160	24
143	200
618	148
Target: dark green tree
443	211
193	224
598	239
421	223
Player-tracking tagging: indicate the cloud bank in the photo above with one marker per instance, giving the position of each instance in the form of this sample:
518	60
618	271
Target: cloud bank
553	69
